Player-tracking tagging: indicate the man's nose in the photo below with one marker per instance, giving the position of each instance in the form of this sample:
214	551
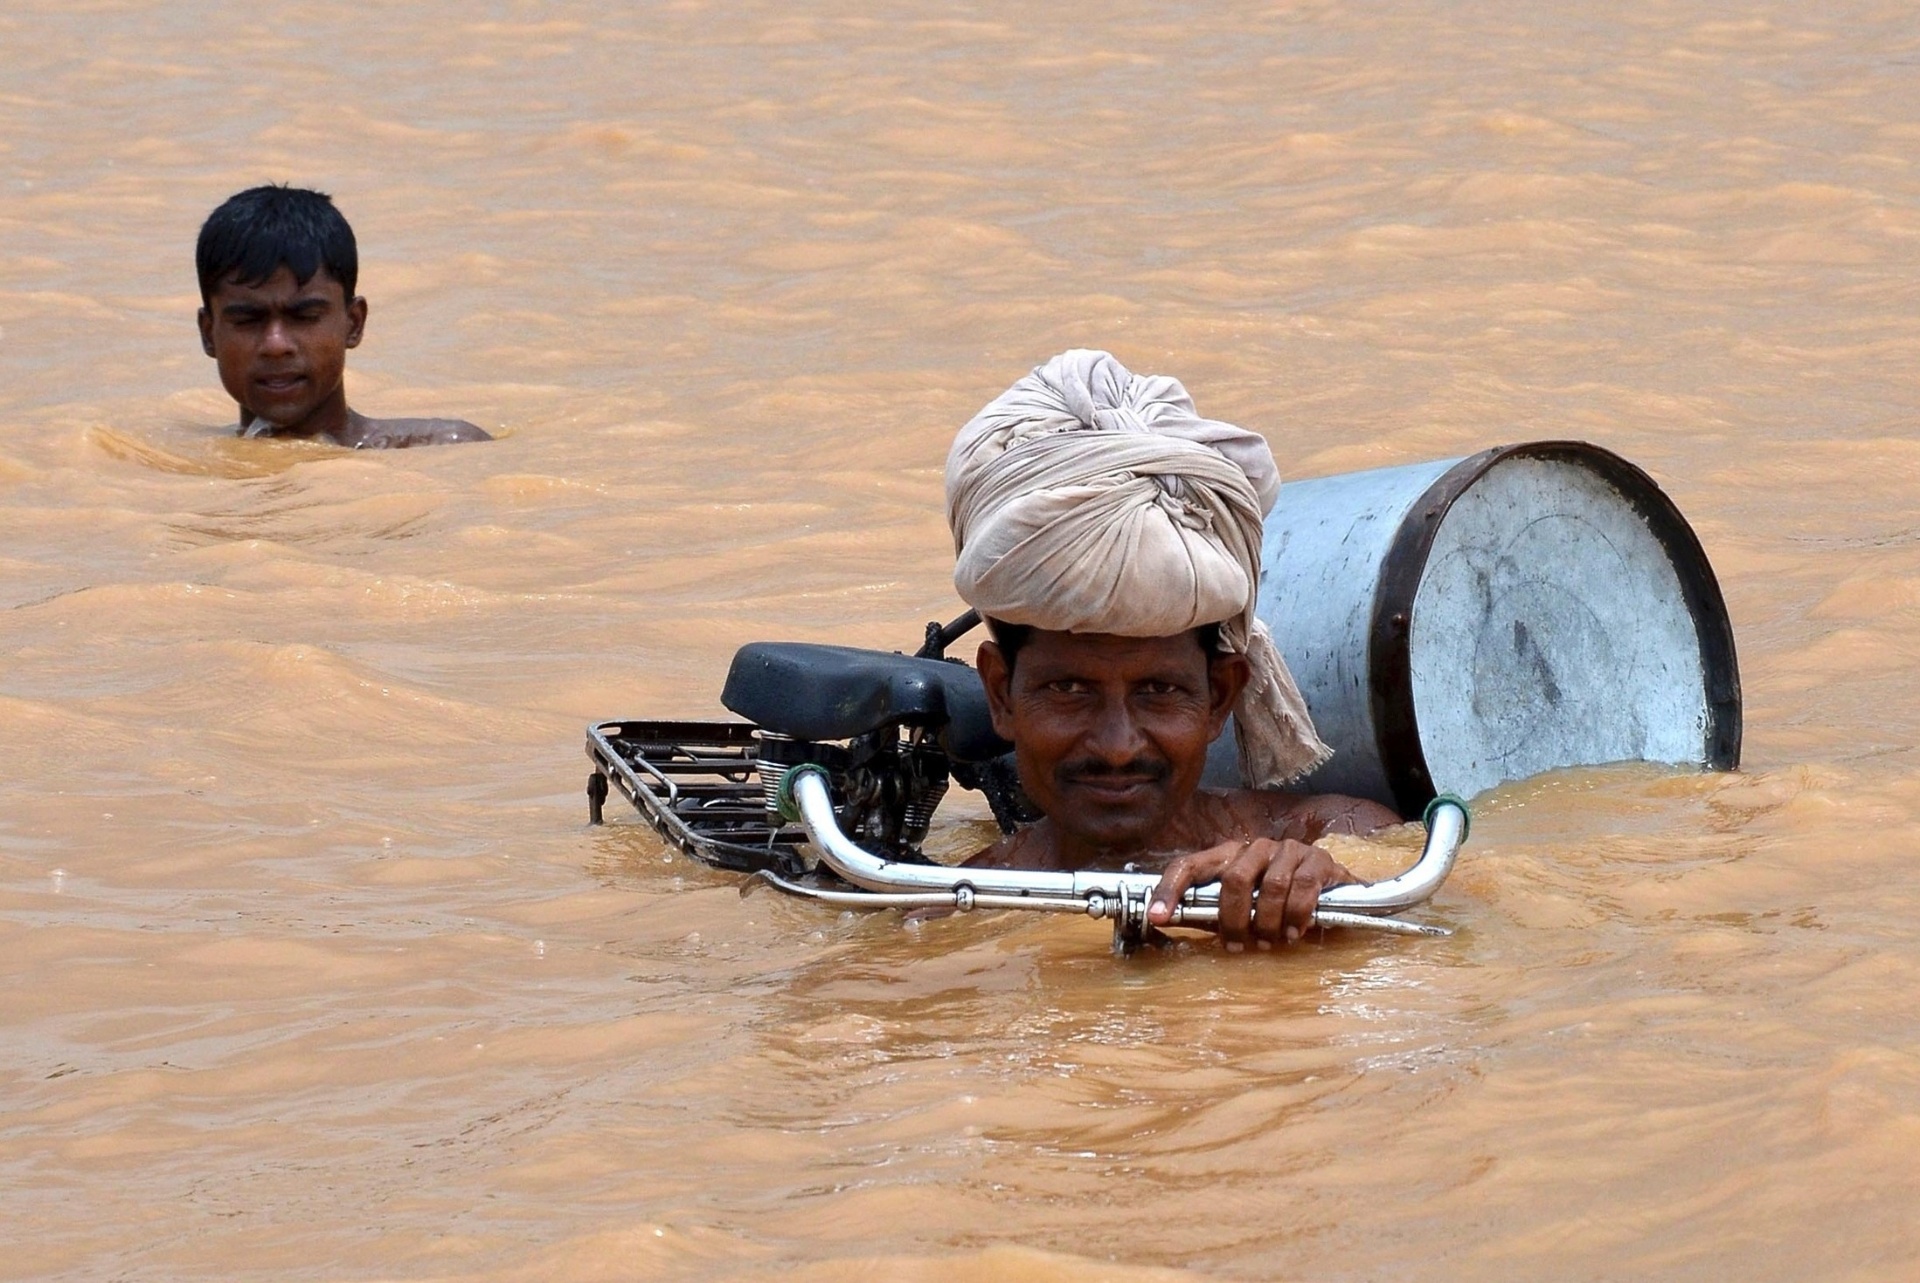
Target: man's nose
278	339
1115	736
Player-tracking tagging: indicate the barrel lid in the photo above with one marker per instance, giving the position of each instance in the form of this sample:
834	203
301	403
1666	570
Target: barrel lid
1625	642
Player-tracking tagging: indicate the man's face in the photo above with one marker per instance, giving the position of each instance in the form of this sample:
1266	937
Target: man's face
1110	733
282	346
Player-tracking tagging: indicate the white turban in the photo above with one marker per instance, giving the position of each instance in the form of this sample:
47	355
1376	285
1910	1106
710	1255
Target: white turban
1088	499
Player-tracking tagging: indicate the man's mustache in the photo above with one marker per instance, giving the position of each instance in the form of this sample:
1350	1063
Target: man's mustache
1091	770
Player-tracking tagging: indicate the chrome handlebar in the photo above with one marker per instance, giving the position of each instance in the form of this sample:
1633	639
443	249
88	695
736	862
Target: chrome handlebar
1123	897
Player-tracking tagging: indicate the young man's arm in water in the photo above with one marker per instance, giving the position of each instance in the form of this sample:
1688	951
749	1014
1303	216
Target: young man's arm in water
398	434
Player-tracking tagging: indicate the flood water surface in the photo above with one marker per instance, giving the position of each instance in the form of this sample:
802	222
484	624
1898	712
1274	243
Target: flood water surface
313	968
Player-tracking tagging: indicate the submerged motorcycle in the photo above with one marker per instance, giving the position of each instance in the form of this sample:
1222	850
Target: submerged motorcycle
851	751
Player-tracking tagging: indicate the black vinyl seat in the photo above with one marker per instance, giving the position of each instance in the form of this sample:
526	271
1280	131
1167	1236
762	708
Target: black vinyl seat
837	692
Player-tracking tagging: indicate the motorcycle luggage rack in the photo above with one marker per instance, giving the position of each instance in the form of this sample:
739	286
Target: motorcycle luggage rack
698	785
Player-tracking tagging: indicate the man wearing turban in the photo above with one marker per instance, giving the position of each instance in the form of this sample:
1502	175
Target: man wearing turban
1111	538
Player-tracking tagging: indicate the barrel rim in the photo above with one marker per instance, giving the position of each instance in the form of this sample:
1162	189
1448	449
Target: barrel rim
1390	660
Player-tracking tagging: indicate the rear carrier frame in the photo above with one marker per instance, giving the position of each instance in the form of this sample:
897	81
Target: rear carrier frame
698	785
891	731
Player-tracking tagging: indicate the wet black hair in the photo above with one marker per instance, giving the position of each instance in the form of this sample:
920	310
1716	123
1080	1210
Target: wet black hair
257	232
1010	638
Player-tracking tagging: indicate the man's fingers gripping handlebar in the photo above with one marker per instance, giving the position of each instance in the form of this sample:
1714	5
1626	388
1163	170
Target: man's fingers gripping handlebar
1269	888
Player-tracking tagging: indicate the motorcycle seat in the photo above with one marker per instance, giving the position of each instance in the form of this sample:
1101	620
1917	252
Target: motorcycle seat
814	692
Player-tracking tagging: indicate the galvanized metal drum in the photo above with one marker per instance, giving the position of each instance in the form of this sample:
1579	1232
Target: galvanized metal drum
1460	623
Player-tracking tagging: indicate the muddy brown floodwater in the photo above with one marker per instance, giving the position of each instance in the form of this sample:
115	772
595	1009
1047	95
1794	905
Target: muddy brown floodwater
312	967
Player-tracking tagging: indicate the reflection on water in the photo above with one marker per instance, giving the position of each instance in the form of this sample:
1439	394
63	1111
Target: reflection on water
312	964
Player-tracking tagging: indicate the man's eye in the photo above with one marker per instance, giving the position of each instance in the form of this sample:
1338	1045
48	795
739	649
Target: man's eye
1067	686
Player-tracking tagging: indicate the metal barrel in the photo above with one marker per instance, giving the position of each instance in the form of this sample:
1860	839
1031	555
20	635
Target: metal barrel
1463	622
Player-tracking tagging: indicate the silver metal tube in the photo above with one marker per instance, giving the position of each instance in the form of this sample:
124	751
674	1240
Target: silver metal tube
956	899
959	901
1446	821
805	796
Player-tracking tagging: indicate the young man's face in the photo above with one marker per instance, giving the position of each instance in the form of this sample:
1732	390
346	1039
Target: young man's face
282	347
1110	733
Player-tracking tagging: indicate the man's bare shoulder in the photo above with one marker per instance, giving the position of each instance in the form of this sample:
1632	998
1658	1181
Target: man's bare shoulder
1304	817
1027	848
1215	816
400	434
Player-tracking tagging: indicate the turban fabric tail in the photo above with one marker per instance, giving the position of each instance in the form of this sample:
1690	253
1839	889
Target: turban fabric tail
1088	499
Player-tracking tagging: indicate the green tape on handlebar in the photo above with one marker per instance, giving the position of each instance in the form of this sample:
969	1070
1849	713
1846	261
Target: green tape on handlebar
1426	816
783	796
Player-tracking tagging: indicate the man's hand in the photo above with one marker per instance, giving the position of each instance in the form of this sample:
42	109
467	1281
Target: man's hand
1289	876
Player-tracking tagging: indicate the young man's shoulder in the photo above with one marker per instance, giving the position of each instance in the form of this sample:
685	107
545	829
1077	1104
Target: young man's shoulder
397	434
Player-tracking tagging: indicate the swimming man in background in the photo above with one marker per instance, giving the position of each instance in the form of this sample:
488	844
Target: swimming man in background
277	270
